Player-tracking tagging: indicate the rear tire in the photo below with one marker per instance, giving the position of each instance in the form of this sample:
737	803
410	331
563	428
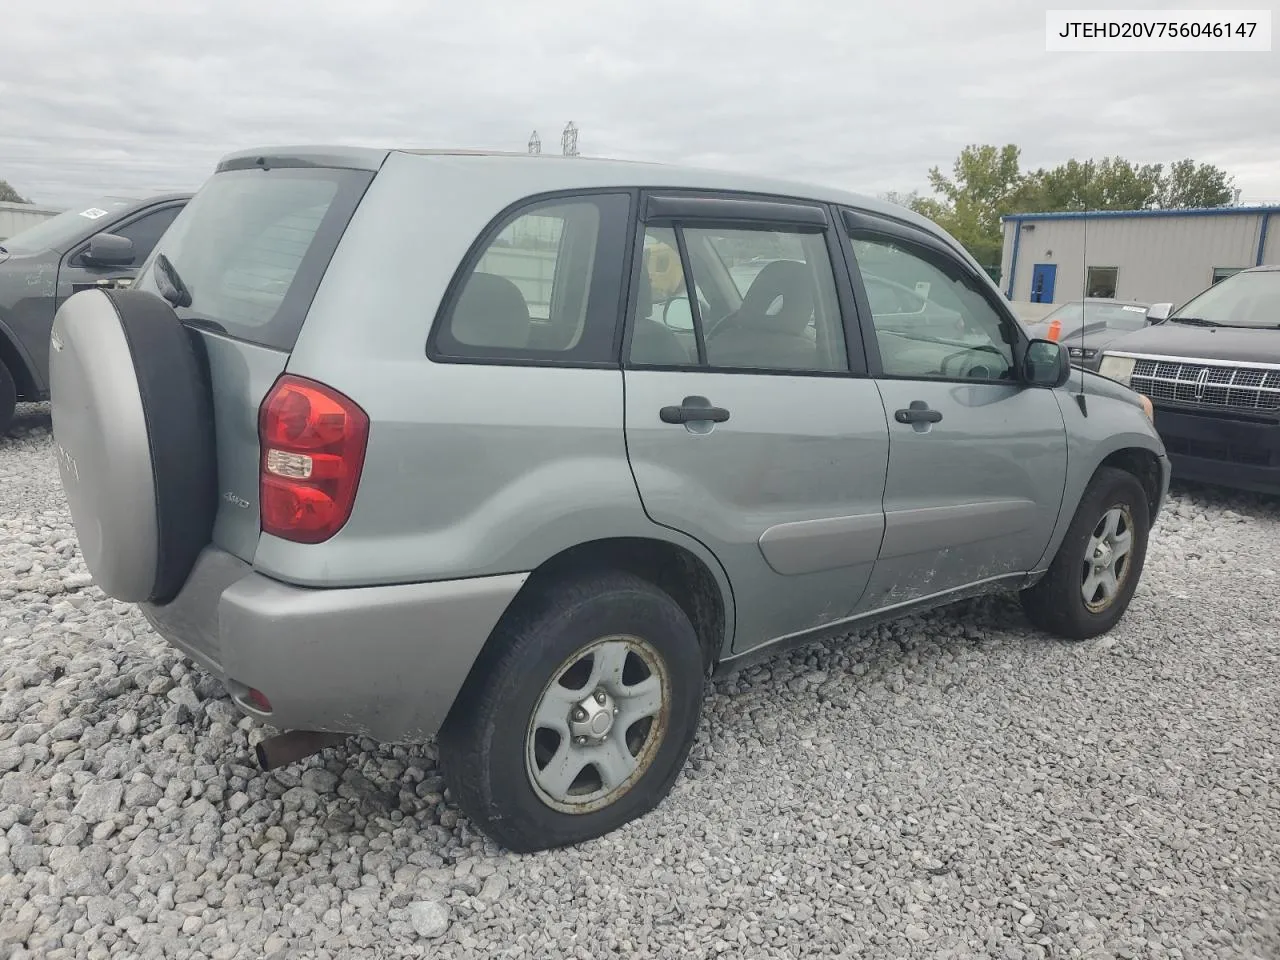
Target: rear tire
8	398
580	718
1097	568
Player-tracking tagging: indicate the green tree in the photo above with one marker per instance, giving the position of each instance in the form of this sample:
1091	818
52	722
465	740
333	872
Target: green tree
1189	185
1109	184
987	182
10	195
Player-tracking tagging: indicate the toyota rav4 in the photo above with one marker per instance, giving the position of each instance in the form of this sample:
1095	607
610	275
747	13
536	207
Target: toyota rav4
516	451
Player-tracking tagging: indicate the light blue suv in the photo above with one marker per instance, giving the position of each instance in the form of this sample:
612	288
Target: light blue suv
404	444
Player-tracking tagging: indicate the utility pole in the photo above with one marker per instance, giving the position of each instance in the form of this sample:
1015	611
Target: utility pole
535	143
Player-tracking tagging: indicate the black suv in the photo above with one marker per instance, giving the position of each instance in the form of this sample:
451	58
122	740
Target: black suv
1212	371
101	244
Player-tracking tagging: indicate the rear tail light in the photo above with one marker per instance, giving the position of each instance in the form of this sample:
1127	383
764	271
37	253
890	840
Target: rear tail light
313	443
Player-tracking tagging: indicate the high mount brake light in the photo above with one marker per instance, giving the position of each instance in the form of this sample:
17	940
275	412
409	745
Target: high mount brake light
313	442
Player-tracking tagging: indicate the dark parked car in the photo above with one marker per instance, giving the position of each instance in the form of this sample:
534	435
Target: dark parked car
1212	372
98	245
1102	322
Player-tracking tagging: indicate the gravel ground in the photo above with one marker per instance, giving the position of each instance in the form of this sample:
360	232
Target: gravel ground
949	786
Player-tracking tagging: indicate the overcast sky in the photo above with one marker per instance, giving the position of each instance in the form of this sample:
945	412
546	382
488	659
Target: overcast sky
137	97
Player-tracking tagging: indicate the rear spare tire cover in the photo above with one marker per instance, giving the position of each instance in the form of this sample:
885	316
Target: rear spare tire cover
133	432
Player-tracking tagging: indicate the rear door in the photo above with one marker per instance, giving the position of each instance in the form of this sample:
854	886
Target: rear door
750	422
977	460
252	247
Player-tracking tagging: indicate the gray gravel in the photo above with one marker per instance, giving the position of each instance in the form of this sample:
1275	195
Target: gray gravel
945	787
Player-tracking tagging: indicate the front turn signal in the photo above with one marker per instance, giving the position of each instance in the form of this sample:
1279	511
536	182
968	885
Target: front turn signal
1146	407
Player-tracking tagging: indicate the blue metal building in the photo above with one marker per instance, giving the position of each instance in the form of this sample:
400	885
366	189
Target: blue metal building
1145	255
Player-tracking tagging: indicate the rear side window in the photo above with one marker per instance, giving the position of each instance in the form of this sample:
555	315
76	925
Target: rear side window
765	300
542	285
253	245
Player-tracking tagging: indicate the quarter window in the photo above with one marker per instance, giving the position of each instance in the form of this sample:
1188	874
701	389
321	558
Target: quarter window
763	300
533	291
931	318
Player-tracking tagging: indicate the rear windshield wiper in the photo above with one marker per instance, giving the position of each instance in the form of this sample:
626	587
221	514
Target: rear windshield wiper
172	289
1195	321
204	323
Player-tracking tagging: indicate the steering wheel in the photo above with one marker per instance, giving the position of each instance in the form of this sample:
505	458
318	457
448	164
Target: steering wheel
974	370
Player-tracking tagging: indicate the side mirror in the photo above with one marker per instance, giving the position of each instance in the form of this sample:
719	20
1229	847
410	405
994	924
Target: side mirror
1046	364
677	315
109	250
1159	312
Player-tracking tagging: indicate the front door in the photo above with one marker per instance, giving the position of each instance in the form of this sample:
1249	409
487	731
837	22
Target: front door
977	461
76	273
1043	276
749	422
143	229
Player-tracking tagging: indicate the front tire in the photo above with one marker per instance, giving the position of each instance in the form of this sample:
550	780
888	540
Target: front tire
580	715
1088	586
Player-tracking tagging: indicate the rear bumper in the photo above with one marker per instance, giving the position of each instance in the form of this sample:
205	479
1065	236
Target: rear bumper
384	662
1212	449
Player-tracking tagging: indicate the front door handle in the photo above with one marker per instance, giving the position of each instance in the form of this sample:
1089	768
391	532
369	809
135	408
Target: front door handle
694	410
917	412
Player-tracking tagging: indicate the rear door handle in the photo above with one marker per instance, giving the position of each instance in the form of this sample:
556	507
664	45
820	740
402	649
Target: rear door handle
917	412
694	410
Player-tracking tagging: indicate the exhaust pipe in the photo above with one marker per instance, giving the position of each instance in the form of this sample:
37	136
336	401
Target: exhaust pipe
286	748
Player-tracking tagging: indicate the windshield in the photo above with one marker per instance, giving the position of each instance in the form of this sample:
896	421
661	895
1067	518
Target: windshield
67	228
251	247
1242	300
1111	316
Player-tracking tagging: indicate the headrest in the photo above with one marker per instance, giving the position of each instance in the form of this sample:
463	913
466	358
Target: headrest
789	280
491	313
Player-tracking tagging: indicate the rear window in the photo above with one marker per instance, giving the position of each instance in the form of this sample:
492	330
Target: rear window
252	246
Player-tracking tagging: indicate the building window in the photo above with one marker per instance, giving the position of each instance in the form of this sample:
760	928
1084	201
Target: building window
1101	282
1221	273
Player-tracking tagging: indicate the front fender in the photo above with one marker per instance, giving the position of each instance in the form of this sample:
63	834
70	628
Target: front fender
1111	421
23	300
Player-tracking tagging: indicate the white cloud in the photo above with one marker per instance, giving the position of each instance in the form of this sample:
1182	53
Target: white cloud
137	97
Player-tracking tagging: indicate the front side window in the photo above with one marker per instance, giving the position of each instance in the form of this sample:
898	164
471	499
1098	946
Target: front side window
930	317
764	299
146	231
531	292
